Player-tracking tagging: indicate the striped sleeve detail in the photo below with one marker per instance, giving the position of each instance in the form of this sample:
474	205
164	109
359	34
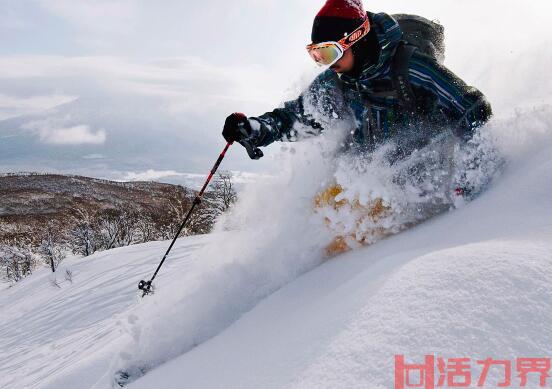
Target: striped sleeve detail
462	103
451	92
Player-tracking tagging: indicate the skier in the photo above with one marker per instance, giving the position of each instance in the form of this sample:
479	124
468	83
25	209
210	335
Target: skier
385	78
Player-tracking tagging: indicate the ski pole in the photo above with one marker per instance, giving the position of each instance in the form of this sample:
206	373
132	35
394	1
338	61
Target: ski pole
145	286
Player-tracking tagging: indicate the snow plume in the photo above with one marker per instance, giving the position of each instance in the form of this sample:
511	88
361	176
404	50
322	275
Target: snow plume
269	238
275	233
485	275
380	195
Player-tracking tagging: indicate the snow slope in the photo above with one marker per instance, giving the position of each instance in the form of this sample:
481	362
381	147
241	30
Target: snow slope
65	337
259	307
472	283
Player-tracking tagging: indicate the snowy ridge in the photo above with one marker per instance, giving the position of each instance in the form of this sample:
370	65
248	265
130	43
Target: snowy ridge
70	333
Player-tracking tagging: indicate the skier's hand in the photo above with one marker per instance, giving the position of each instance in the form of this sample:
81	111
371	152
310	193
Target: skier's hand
237	128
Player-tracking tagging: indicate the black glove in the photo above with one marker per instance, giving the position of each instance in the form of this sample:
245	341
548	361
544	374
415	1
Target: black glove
237	128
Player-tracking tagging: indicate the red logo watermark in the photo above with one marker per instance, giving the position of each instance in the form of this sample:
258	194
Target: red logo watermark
457	372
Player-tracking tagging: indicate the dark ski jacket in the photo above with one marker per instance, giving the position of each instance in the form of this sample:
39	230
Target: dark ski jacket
442	100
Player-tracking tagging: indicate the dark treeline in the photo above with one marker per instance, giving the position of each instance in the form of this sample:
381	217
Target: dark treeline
44	241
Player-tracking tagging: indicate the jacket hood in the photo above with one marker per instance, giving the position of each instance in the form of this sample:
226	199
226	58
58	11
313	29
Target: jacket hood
389	35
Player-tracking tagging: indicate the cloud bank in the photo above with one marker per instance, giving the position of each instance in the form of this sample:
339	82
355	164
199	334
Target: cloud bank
149	86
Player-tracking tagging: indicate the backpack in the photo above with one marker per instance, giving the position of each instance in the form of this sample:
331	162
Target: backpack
420	34
426	35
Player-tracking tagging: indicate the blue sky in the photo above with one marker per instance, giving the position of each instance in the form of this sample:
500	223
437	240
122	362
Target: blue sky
123	87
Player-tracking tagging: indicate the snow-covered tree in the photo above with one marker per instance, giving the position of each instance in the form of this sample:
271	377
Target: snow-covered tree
83	235
224	193
51	245
146	229
215	202
128	227
16	262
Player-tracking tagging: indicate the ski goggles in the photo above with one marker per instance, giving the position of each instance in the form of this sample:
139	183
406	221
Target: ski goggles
328	53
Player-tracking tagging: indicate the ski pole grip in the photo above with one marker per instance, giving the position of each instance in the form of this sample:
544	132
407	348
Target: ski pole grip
252	151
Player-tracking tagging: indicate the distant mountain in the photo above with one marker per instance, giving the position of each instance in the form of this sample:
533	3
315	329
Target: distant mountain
29	201
107	136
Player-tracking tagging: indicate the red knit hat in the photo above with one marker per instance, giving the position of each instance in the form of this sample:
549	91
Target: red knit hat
336	19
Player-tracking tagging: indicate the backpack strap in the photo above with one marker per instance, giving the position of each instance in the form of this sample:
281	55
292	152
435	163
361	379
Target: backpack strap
399	74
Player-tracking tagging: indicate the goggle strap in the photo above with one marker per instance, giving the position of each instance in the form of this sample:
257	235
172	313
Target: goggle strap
356	35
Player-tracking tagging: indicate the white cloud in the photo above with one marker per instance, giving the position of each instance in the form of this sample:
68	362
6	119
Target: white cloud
184	83
76	135
190	180
93	156
151	175
11	106
98	16
241	177
54	132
